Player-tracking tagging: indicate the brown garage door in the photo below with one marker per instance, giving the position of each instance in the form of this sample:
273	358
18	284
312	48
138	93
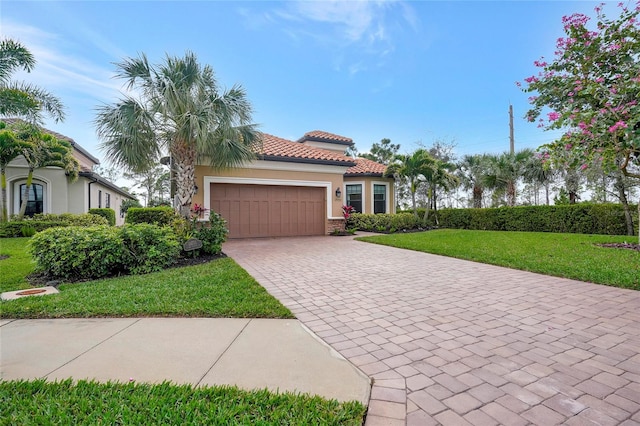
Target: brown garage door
270	211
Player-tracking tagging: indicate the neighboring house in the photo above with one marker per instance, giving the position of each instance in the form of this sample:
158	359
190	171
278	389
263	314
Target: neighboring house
294	188
51	191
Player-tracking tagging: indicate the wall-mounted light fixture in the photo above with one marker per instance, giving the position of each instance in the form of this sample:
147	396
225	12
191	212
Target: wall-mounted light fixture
338	193
195	189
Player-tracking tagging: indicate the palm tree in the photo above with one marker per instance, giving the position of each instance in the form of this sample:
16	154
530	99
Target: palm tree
22	99
472	170
538	173
505	171
439	176
411	167
43	150
180	110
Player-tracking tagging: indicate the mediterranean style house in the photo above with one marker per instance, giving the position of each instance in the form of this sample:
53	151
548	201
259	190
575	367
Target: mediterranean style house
51	191
294	188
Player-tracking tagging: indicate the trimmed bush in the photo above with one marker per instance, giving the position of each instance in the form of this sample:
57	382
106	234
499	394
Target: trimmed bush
40	222
160	216
108	214
73	252
384	222
148	248
581	218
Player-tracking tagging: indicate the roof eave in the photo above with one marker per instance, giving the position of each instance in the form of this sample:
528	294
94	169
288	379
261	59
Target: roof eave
327	140
108	184
306	160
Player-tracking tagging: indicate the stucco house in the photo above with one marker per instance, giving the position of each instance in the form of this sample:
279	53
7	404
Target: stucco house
51	192
294	188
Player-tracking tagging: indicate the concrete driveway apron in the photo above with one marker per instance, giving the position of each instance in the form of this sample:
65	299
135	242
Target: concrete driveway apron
454	342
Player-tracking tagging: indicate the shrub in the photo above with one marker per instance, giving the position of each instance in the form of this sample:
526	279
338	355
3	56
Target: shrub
383	222
584	218
108	214
77	252
28	230
148	248
212	234
73	252
160	216
40	222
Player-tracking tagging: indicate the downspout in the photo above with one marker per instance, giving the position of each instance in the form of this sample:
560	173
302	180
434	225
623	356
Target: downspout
93	180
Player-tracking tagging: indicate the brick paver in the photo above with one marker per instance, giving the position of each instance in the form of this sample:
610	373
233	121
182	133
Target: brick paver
454	342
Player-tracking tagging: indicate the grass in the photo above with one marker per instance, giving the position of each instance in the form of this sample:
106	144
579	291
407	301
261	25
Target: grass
63	403
219	288
574	256
17	266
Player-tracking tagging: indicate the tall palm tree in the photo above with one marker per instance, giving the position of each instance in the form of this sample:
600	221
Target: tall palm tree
536	172
472	170
180	109
439	176
505	171
22	99
412	168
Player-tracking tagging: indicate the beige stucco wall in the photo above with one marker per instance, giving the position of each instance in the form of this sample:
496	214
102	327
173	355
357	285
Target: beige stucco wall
367	183
330	177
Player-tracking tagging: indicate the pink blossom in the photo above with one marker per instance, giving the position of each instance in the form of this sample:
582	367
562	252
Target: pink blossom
553	116
599	80
619	125
583	167
568	146
531	79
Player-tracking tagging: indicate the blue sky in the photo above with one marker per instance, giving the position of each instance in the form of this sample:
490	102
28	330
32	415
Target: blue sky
414	72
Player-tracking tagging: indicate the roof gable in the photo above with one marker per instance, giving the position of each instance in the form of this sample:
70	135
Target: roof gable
366	167
321	136
279	149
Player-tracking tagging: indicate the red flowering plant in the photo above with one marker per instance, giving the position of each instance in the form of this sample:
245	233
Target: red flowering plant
198	210
346	211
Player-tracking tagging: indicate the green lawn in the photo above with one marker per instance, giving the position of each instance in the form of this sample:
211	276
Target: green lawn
17	266
219	288
573	256
64	403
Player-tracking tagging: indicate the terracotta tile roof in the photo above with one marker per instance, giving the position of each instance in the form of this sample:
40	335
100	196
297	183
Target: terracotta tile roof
366	167
320	136
275	148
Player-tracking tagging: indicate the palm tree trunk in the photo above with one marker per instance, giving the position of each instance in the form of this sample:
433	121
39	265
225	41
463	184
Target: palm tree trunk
511	193
5	213
184	157
25	195
477	197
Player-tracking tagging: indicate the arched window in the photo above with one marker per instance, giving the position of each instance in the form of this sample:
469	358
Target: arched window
35	200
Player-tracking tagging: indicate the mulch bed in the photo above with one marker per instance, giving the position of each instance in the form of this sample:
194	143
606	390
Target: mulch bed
627	246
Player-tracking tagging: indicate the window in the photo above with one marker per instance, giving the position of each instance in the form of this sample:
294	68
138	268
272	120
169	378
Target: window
99	199
107	200
354	197
379	198
35	199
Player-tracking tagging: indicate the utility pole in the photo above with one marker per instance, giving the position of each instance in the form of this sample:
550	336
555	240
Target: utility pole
511	138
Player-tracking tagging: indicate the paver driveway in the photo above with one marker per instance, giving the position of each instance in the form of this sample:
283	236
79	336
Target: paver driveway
454	342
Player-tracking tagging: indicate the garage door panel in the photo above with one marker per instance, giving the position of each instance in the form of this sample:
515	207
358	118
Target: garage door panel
269	210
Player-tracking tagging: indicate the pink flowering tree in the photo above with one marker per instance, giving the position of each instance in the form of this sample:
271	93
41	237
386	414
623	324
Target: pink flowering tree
591	89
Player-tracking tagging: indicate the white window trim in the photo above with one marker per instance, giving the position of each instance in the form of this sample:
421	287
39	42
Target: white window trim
387	199
208	180
364	192
13	190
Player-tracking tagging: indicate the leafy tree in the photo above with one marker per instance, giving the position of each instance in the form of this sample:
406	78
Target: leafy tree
591	90
43	150
155	183
10	148
182	110
382	152
537	173
22	99
127	204
412	168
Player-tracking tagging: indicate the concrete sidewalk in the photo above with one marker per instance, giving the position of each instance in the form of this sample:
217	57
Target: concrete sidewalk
281	355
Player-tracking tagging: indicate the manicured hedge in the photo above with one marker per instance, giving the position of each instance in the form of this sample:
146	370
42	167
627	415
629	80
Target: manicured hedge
92	252
384	222
40	222
581	218
155	215
108	214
